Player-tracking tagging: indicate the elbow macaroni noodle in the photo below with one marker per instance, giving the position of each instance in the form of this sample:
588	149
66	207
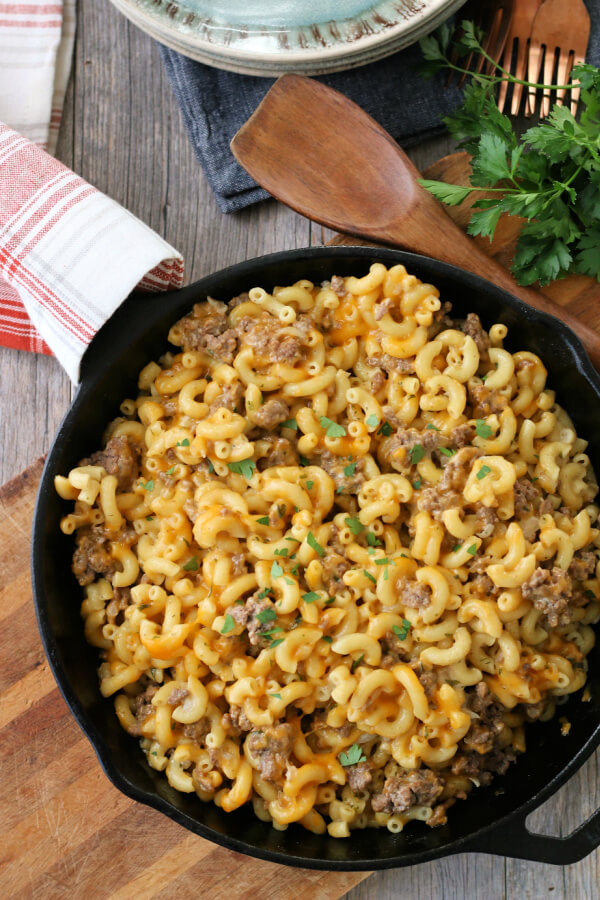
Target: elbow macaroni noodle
336	554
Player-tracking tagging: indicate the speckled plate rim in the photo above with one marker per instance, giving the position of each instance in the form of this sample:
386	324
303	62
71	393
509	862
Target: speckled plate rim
346	53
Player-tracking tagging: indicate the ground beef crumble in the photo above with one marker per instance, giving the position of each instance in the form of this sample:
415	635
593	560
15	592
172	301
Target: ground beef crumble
550	591
271	747
401	792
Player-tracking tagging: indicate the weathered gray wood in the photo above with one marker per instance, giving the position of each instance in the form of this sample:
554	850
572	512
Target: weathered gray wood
123	132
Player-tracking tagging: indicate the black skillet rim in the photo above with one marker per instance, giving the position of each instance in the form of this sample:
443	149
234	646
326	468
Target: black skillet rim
463	844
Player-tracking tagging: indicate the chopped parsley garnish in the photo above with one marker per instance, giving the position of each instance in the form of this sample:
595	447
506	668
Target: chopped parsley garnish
382	562
264	520
277	696
333	429
482	430
149	518
266	615
484	470
416	454
244	467
313	542
191	565
271	631
350	469
283	552
352	756
472	549
229	624
170	471
277	643
402	633
446	451
304	461
295	568
310	485
590	594
276	570
310	597
290	423
386	429
456	548
288	580
431	427
372	540
372	421
356	662
211	467
184	443
417	484
354	524
149	486
263	593
369	576
327	639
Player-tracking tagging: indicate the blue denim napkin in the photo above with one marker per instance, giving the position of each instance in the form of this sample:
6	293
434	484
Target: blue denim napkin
215	104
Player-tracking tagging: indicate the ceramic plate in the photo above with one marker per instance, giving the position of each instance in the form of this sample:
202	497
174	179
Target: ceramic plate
307	36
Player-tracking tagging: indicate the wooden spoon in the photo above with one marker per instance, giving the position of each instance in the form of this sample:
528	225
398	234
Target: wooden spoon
321	154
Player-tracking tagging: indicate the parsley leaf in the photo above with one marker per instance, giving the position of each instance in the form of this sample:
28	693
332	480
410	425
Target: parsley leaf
310	485
417	484
472	549
184	443
191	565
352	756
402	632
276	643
229	624
262	594
354	524
350	469
276	695
264	520
482	430
483	471
290	423
149	486
431	427
356	662
372	421
446	451
266	615
244	467
313	542
416	454
369	576
276	570
372	540
333	429
327	639
386	429
310	597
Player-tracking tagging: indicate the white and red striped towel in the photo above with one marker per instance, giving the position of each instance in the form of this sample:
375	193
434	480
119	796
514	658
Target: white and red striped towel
69	255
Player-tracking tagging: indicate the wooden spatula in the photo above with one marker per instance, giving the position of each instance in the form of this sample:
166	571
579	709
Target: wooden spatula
321	154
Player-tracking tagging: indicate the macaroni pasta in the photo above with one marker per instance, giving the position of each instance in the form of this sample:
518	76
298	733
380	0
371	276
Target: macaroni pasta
337	553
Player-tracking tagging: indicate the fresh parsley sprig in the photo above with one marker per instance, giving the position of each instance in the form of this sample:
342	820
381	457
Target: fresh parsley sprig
550	176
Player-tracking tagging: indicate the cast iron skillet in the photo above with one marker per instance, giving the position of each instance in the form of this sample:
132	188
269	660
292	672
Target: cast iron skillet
491	820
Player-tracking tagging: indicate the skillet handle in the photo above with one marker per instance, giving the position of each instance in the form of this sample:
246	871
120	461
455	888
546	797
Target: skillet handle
514	839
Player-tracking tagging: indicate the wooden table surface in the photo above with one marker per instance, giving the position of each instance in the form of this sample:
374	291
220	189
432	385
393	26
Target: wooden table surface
123	132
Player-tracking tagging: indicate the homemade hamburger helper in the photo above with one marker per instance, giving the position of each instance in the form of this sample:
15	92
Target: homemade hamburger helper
337	553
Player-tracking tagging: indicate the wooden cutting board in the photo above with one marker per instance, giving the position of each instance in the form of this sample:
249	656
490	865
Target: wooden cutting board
64	829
